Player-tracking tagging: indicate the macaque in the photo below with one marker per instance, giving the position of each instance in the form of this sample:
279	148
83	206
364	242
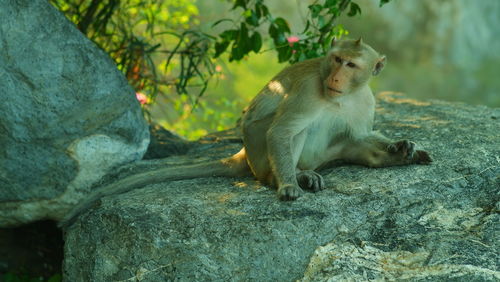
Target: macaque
309	114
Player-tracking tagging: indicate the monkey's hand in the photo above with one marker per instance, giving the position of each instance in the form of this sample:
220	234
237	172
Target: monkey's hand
407	150
310	180
289	192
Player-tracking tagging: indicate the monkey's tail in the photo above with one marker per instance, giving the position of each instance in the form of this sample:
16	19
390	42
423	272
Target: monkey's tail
233	166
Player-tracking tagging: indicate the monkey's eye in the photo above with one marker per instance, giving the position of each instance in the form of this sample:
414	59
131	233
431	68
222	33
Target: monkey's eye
338	59
351	65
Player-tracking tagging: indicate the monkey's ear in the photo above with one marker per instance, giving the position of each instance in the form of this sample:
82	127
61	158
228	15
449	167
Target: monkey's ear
379	65
334	41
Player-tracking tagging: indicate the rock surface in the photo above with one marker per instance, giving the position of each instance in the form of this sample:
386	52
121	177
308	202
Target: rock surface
67	114
423	223
165	144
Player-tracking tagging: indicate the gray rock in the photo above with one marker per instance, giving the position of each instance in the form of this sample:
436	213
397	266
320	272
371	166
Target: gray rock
351	262
67	114
419	223
165	143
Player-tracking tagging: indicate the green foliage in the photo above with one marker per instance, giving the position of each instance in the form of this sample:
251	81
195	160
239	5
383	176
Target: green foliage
314	41
154	43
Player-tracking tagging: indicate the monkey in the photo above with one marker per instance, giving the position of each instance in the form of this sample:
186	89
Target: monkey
311	113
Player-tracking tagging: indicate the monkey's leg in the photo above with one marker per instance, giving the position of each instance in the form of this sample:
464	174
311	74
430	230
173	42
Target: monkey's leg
378	151
310	180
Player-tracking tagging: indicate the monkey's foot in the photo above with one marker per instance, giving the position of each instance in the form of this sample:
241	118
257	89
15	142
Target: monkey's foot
404	147
422	157
310	180
407	150
289	192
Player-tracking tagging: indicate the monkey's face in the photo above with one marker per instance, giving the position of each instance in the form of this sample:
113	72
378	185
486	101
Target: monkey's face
349	66
339	74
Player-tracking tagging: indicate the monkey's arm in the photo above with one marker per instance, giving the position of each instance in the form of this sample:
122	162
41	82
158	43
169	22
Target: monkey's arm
284	147
377	150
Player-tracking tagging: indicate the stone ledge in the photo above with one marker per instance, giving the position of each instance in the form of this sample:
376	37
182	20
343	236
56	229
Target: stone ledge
444	215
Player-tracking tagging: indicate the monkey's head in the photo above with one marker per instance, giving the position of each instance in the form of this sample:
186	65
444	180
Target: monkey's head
348	66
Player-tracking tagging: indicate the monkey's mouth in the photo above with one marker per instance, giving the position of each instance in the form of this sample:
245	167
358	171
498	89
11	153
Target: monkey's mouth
333	90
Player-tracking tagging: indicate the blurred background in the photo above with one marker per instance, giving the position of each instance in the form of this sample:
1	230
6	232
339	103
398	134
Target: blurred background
447	50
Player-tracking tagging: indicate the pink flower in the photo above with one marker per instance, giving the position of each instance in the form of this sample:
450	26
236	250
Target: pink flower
143	99
292	39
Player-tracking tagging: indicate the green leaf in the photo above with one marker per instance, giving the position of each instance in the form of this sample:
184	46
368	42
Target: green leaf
243	29
247	13
236	53
327	42
321	22
282	25
302	57
280	39
258	10
383	2
243	41
256	40
273	30
330	3
240	3
277	35
315	10
354	10
264	10
311	53
220	47
252	18
242	45
284	53
229	34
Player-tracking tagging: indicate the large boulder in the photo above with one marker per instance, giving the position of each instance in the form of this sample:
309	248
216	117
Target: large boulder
423	223
67	114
